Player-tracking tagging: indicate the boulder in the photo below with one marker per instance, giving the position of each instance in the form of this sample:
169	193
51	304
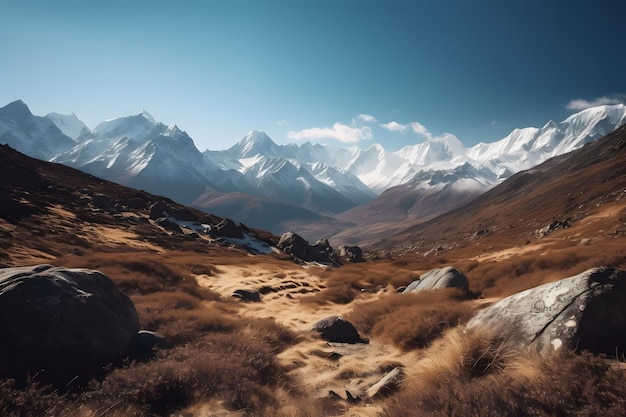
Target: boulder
62	324
583	312
339	330
351	253
295	245
439	278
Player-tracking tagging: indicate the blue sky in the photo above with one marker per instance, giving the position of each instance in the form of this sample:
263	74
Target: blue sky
350	72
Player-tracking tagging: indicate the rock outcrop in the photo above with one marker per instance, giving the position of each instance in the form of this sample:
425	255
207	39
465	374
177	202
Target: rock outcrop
439	278
295	245
583	312
62	324
228	228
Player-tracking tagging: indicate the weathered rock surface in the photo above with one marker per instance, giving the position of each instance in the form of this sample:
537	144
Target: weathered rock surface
62	323
295	245
439	278
583	312
339	330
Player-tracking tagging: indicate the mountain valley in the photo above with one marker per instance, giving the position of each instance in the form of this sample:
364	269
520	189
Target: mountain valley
186	275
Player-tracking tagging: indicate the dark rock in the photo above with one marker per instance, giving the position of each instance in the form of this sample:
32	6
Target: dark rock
247	295
145	343
583	312
336	329
158	210
103	202
61	324
555	225
161	209
351	253
295	245
439	278
228	228
165	223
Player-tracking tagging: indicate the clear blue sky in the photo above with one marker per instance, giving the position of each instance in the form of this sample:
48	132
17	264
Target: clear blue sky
323	70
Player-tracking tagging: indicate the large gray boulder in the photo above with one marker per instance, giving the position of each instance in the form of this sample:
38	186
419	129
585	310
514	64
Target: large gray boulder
62	324
583	312
439	278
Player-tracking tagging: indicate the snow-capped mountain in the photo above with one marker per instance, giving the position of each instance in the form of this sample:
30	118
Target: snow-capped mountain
134	127
420	180
70	124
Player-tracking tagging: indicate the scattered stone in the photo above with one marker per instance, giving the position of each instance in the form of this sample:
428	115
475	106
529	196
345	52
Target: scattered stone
387	384
339	330
583	312
439	278
247	295
62	324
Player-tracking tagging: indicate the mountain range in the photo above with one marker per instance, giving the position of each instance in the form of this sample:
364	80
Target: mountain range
356	195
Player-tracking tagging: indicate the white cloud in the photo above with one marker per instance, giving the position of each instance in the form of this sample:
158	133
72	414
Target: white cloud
394	126
581	104
339	131
367	118
282	122
420	129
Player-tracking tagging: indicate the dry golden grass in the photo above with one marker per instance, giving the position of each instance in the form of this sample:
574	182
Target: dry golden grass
476	374
411	321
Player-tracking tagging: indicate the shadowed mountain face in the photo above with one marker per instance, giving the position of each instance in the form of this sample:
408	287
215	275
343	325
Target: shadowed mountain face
577	186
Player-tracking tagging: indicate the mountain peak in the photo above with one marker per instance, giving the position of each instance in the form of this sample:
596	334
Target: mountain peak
254	143
147	115
17	107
